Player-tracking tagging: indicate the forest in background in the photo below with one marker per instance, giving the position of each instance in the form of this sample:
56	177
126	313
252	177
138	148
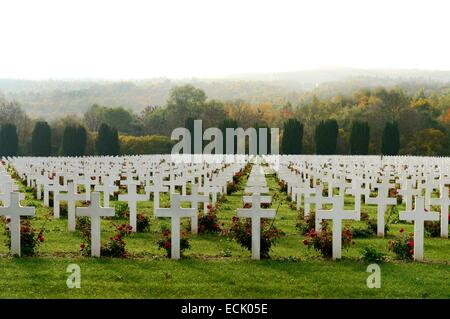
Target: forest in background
146	112
51	99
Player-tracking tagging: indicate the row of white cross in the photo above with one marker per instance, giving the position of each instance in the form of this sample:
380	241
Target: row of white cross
212	180
305	176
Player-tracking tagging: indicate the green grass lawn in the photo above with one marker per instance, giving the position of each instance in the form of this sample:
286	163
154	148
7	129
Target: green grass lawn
217	267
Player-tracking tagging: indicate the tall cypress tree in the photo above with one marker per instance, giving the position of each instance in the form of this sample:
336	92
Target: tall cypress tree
115	143
9	141
102	144
74	140
326	135
292	140
390	143
41	140
81	135
359	138
107	142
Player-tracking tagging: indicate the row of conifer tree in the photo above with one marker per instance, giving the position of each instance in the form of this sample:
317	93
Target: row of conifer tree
107	140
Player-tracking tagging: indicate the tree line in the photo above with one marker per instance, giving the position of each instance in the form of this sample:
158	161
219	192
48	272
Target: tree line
375	121
73	143
107	141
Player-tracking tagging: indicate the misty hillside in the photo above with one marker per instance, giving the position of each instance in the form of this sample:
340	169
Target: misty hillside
55	98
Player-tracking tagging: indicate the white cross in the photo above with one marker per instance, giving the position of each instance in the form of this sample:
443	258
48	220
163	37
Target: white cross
132	197
356	190
430	184
175	212
108	188
419	215
157	188
47	184
56	199
95	212
14	211
382	200
318	200
337	214
297	192
444	202
71	197
407	194
256	213
213	190
265	199
194	199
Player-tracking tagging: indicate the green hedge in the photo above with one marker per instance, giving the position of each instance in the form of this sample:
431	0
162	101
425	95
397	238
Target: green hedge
149	144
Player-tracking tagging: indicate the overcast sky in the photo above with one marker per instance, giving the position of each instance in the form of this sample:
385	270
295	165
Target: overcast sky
145	39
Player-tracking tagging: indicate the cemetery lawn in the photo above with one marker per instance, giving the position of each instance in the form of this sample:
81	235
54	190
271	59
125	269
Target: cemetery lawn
215	266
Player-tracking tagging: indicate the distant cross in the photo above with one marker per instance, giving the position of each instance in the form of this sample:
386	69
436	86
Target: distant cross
305	190
256	213
337	214
213	190
318	200
71	197
419	215
47	185
132	197
356	190
15	211
108	188
56	198
175	212
157	188
407	194
382	200
194	199
444	202
95	212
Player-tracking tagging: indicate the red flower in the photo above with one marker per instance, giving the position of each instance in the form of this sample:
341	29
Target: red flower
209	206
402	230
167	245
411	251
82	246
411	244
305	242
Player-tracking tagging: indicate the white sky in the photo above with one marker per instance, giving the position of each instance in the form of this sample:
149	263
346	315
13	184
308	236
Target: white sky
145	39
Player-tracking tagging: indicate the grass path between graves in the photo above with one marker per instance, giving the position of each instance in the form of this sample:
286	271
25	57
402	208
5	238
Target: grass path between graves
216	267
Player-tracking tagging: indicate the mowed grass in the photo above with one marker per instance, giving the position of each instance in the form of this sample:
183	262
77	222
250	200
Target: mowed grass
217	267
